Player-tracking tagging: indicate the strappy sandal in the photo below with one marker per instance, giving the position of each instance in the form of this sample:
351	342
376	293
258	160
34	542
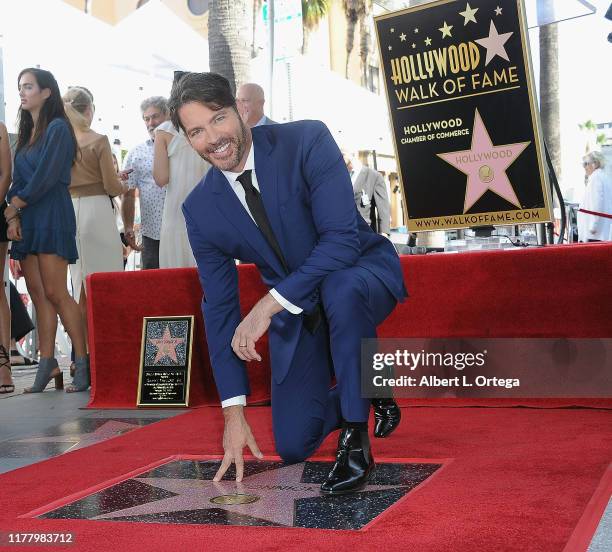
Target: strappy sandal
5	362
26	361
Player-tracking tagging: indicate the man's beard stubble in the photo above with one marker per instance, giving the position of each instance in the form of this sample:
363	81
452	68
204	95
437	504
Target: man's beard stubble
239	143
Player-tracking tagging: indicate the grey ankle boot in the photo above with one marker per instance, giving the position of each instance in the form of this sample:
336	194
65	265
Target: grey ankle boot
43	376
81	379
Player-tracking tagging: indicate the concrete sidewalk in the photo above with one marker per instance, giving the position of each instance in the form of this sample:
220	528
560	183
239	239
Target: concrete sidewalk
38	426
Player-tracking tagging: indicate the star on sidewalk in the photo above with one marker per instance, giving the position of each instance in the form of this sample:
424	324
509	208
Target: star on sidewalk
166	346
469	15
446	30
268	495
494	43
107	430
485	165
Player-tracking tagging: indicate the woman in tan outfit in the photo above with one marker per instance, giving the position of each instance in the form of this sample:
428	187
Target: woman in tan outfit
93	180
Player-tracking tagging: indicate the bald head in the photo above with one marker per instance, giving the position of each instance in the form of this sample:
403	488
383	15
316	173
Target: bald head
250	100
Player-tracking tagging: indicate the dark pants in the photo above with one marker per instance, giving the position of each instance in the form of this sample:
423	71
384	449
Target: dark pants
304	408
150	253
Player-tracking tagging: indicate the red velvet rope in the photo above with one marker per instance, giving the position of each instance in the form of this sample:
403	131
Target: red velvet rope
605	215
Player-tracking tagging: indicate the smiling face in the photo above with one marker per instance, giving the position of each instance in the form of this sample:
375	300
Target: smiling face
218	136
32	96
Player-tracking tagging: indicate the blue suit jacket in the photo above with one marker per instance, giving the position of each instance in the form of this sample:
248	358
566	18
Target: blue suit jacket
307	192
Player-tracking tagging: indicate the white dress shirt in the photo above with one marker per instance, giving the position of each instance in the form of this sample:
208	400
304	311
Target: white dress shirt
239	191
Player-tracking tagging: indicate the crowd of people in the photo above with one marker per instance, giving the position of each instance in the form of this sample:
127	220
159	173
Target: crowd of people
64	195
69	209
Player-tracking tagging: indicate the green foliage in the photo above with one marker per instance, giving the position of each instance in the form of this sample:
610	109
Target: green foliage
591	129
313	11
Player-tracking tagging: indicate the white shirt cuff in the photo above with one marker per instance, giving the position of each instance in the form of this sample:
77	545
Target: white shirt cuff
284	303
239	400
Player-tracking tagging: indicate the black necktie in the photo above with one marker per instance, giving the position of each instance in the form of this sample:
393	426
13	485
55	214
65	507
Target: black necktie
256	207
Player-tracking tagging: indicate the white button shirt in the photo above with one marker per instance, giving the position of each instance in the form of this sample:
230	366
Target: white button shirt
239	191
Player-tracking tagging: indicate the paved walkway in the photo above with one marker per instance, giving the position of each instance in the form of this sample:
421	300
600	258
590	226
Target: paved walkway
34	427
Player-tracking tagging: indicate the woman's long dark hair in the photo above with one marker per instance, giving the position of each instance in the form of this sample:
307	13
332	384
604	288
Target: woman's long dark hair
53	108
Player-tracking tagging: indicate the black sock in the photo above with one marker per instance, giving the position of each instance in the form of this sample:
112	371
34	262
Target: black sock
363	426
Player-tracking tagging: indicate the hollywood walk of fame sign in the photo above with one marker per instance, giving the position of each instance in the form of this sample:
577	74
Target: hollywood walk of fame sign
464	114
165	361
272	494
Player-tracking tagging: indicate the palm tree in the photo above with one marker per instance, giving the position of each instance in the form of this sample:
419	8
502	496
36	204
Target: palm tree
365	43
591	130
256	9
228	43
312	13
549	93
355	12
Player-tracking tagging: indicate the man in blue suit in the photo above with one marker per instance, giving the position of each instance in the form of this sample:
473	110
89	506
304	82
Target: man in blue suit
280	196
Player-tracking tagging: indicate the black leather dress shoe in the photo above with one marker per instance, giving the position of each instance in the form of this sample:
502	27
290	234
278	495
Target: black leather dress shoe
354	463
387	416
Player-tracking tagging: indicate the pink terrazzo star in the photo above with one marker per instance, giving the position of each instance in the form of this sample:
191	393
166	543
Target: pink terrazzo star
166	346
485	165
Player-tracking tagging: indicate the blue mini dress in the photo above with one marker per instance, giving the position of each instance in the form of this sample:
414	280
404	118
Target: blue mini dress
41	178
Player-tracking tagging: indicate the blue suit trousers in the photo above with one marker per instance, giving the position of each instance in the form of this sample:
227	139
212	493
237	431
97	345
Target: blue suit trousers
305	406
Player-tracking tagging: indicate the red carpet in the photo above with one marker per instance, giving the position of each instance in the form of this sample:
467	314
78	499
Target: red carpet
556	291
519	479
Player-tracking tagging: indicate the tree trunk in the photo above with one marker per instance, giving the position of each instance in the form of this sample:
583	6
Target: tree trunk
352	9
228	44
365	44
549	93
256	12
305	40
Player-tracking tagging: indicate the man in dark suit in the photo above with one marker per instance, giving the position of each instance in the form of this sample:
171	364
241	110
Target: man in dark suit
280	196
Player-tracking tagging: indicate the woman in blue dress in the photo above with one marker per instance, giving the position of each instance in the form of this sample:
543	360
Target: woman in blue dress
41	221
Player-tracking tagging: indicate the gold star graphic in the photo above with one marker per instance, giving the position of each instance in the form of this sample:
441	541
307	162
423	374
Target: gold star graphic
403	37
413	45
469	15
416	30
390	47
498	11
392	30
446	30
428	41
